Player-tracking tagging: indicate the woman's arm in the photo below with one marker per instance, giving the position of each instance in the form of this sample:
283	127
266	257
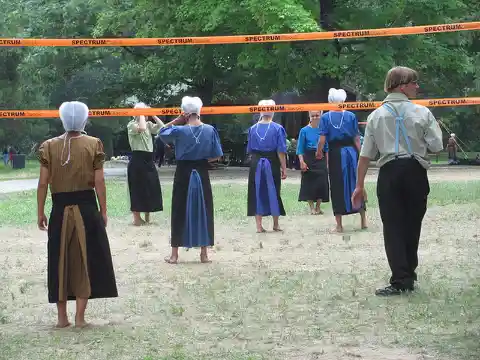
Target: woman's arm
42	191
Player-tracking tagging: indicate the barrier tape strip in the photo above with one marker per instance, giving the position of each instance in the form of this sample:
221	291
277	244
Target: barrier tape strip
249	109
244	39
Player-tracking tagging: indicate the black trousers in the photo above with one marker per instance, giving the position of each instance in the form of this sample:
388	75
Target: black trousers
402	191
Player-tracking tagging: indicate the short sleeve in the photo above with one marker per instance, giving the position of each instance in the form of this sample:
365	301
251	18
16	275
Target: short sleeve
169	134
281	140
99	156
323	126
301	143
43	154
216	145
369	147
433	134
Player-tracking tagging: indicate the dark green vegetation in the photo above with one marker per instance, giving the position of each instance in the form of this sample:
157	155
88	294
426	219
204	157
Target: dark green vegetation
42	78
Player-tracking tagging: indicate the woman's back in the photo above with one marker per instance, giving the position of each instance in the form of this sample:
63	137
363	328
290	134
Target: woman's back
86	156
193	142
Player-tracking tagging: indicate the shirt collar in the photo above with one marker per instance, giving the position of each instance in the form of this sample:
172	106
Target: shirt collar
395	97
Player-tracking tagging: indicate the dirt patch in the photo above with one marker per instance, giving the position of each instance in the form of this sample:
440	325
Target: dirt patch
304	294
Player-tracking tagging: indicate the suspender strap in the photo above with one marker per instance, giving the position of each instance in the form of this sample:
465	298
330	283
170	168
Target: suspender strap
399	126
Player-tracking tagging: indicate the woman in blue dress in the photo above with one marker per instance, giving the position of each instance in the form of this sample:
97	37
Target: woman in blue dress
314	186
340	130
267	144
196	144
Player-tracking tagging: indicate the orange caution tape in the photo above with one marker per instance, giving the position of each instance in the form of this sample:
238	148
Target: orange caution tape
249	109
245	39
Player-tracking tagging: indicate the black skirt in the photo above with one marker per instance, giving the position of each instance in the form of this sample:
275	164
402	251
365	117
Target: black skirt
342	171
143	183
192	222
79	258
252	199
314	185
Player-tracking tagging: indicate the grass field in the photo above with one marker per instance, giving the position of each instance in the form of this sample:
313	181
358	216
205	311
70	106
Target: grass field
29	172
304	294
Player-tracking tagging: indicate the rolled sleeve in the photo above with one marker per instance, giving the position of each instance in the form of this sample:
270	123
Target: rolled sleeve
369	148
132	128
433	134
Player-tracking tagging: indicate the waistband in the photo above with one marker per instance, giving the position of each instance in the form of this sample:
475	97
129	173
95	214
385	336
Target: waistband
84	197
144	155
335	144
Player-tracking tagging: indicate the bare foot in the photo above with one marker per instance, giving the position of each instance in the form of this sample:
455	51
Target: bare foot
313	212
319	212
62	324
138	222
171	260
204	259
364	226
277	229
339	229
81	324
262	230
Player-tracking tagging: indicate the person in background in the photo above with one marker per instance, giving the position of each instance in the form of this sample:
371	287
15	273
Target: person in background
340	130
11	154
5	156
314	187
79	260
159	151
268	146
196	145
452	148
143	181
292	156
402	132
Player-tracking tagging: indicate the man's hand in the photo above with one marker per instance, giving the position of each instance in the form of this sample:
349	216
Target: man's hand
359	195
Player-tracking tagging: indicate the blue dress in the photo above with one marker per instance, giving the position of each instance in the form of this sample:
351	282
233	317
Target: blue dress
341	131
314	185
265	141
192	221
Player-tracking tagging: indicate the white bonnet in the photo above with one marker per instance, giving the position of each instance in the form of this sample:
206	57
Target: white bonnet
268	102
452	135
336	95
191	105
140	105
74	115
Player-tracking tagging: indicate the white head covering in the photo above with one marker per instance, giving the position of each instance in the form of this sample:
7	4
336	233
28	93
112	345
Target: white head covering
74	116
336	96
452	135
191	105
268	102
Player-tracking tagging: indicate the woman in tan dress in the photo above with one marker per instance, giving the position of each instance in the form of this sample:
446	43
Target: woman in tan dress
79	259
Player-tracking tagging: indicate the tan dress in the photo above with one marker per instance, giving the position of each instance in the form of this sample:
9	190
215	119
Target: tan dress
79	258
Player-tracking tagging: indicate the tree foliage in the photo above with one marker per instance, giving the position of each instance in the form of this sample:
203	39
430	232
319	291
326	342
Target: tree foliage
36	77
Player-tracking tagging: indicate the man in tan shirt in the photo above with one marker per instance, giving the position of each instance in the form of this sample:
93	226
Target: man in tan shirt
402	132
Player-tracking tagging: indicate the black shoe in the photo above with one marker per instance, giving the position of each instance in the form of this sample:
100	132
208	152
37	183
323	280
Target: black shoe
391	291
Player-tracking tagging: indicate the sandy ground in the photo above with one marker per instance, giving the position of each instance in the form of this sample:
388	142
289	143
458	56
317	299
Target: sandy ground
149	288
